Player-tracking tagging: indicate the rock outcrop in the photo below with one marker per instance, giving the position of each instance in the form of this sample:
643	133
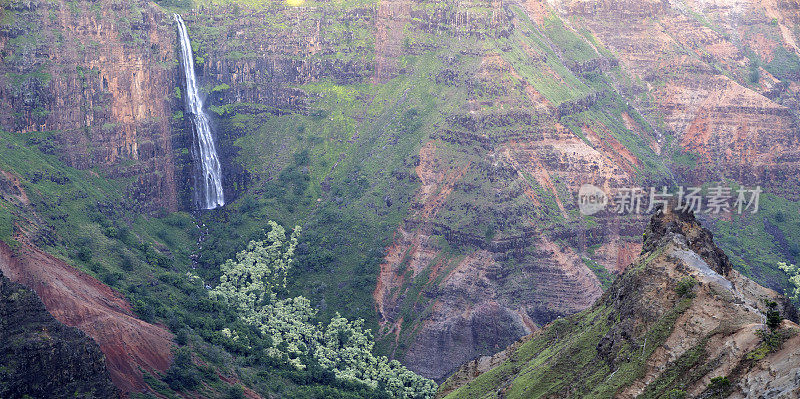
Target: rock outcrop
679	321
42	358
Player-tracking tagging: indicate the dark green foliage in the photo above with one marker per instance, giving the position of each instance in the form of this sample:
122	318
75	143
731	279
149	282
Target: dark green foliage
84	254
182	337
785	64
182	374
771	341
719	386
773	315
184	4
754	72
686	286
236	392
676	394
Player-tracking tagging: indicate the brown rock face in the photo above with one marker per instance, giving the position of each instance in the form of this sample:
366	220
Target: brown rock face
476	302
739	124
101	77
78	300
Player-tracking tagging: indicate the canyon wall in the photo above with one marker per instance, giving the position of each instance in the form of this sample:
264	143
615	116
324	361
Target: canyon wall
432	150
100	78
724	76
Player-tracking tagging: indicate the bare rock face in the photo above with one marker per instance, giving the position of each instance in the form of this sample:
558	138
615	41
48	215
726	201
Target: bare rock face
699	239
734	117
100	76
674	323
533	268
42	358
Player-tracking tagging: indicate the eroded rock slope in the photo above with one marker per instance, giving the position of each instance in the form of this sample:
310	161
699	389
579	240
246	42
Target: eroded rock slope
679	321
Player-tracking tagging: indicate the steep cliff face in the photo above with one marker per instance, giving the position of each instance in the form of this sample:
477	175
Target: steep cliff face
493	245
42	358
672	324
723	75
455	135
100	77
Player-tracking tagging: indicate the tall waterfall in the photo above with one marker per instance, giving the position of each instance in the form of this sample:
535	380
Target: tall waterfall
208	182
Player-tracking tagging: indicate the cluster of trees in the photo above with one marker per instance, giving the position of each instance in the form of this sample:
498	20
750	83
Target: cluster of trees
793	271
251	285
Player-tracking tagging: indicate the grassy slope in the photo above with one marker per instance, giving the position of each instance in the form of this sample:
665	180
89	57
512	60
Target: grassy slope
147	258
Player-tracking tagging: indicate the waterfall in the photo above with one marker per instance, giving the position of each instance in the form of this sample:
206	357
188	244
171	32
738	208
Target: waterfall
208	180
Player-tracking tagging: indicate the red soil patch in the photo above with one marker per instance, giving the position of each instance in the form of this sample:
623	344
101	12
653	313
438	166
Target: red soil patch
79	300
613	149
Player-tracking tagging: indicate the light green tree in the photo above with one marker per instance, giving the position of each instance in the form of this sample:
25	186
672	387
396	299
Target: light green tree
251	285
793	271
250	282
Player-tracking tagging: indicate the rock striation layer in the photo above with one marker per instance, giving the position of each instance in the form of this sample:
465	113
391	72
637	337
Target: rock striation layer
679	321
99	77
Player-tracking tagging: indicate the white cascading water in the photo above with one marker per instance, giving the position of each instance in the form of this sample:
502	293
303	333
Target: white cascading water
208	186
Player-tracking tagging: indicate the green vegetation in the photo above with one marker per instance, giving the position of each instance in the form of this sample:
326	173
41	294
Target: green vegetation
793	273
756	243
719	387
250	284
773	315
87	221
605	277
754	74
785	64
772	340
686	286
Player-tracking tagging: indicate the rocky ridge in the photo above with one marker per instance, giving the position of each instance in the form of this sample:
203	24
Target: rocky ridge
674	322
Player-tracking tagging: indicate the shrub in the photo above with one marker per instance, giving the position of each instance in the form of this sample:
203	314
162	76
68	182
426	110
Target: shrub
145	312
719	384
182	374
718	387
84	254
773	316
685	287
236	392
676	394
